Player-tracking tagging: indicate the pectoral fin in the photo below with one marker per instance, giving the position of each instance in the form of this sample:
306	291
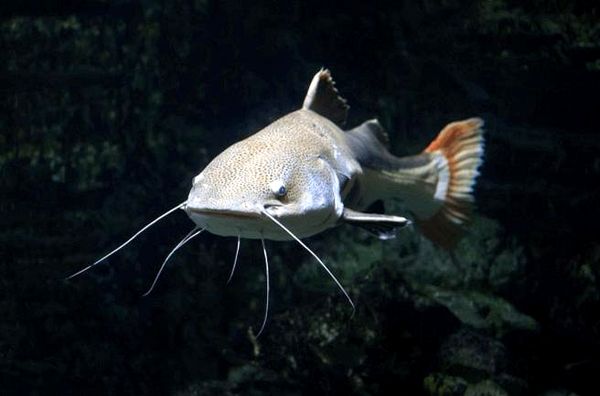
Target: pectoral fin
382	225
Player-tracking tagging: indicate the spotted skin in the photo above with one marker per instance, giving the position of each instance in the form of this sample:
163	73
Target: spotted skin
305	151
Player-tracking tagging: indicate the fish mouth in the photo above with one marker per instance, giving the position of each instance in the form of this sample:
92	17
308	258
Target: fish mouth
223	213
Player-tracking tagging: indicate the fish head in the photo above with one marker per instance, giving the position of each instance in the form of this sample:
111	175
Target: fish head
231	195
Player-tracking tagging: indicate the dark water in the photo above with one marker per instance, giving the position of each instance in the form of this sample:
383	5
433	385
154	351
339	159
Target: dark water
110	109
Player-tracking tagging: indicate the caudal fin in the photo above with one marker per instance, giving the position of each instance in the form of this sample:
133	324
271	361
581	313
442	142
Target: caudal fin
458	151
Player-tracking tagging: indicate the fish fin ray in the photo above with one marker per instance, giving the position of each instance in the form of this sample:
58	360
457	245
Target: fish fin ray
323	98
459	149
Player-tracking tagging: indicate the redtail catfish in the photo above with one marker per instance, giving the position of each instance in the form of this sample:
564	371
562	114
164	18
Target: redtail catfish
303	174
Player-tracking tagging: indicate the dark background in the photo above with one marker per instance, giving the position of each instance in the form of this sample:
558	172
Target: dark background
108	110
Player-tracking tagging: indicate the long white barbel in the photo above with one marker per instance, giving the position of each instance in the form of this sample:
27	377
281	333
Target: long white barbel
186	239
237	252
262	327
313	254
181	205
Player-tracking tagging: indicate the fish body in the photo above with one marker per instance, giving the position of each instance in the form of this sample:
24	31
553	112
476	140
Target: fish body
311	175
304	174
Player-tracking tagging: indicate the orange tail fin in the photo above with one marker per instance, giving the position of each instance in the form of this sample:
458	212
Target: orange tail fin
461	145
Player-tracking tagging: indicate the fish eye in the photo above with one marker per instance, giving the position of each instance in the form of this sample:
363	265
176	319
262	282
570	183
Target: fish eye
281	192
278	188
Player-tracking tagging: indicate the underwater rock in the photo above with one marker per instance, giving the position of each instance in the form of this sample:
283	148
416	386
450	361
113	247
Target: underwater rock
481	361
439	384
483	260
481	311
207	388
485	388
469	282
250	373
472	355
559	392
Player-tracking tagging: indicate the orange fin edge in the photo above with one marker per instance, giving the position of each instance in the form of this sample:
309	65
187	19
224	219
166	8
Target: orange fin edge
461	144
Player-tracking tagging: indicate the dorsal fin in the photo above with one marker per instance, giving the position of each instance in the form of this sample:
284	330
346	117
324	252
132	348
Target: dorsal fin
369	142
372	128
322	98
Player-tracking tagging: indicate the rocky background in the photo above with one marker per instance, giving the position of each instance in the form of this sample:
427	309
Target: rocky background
110	108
